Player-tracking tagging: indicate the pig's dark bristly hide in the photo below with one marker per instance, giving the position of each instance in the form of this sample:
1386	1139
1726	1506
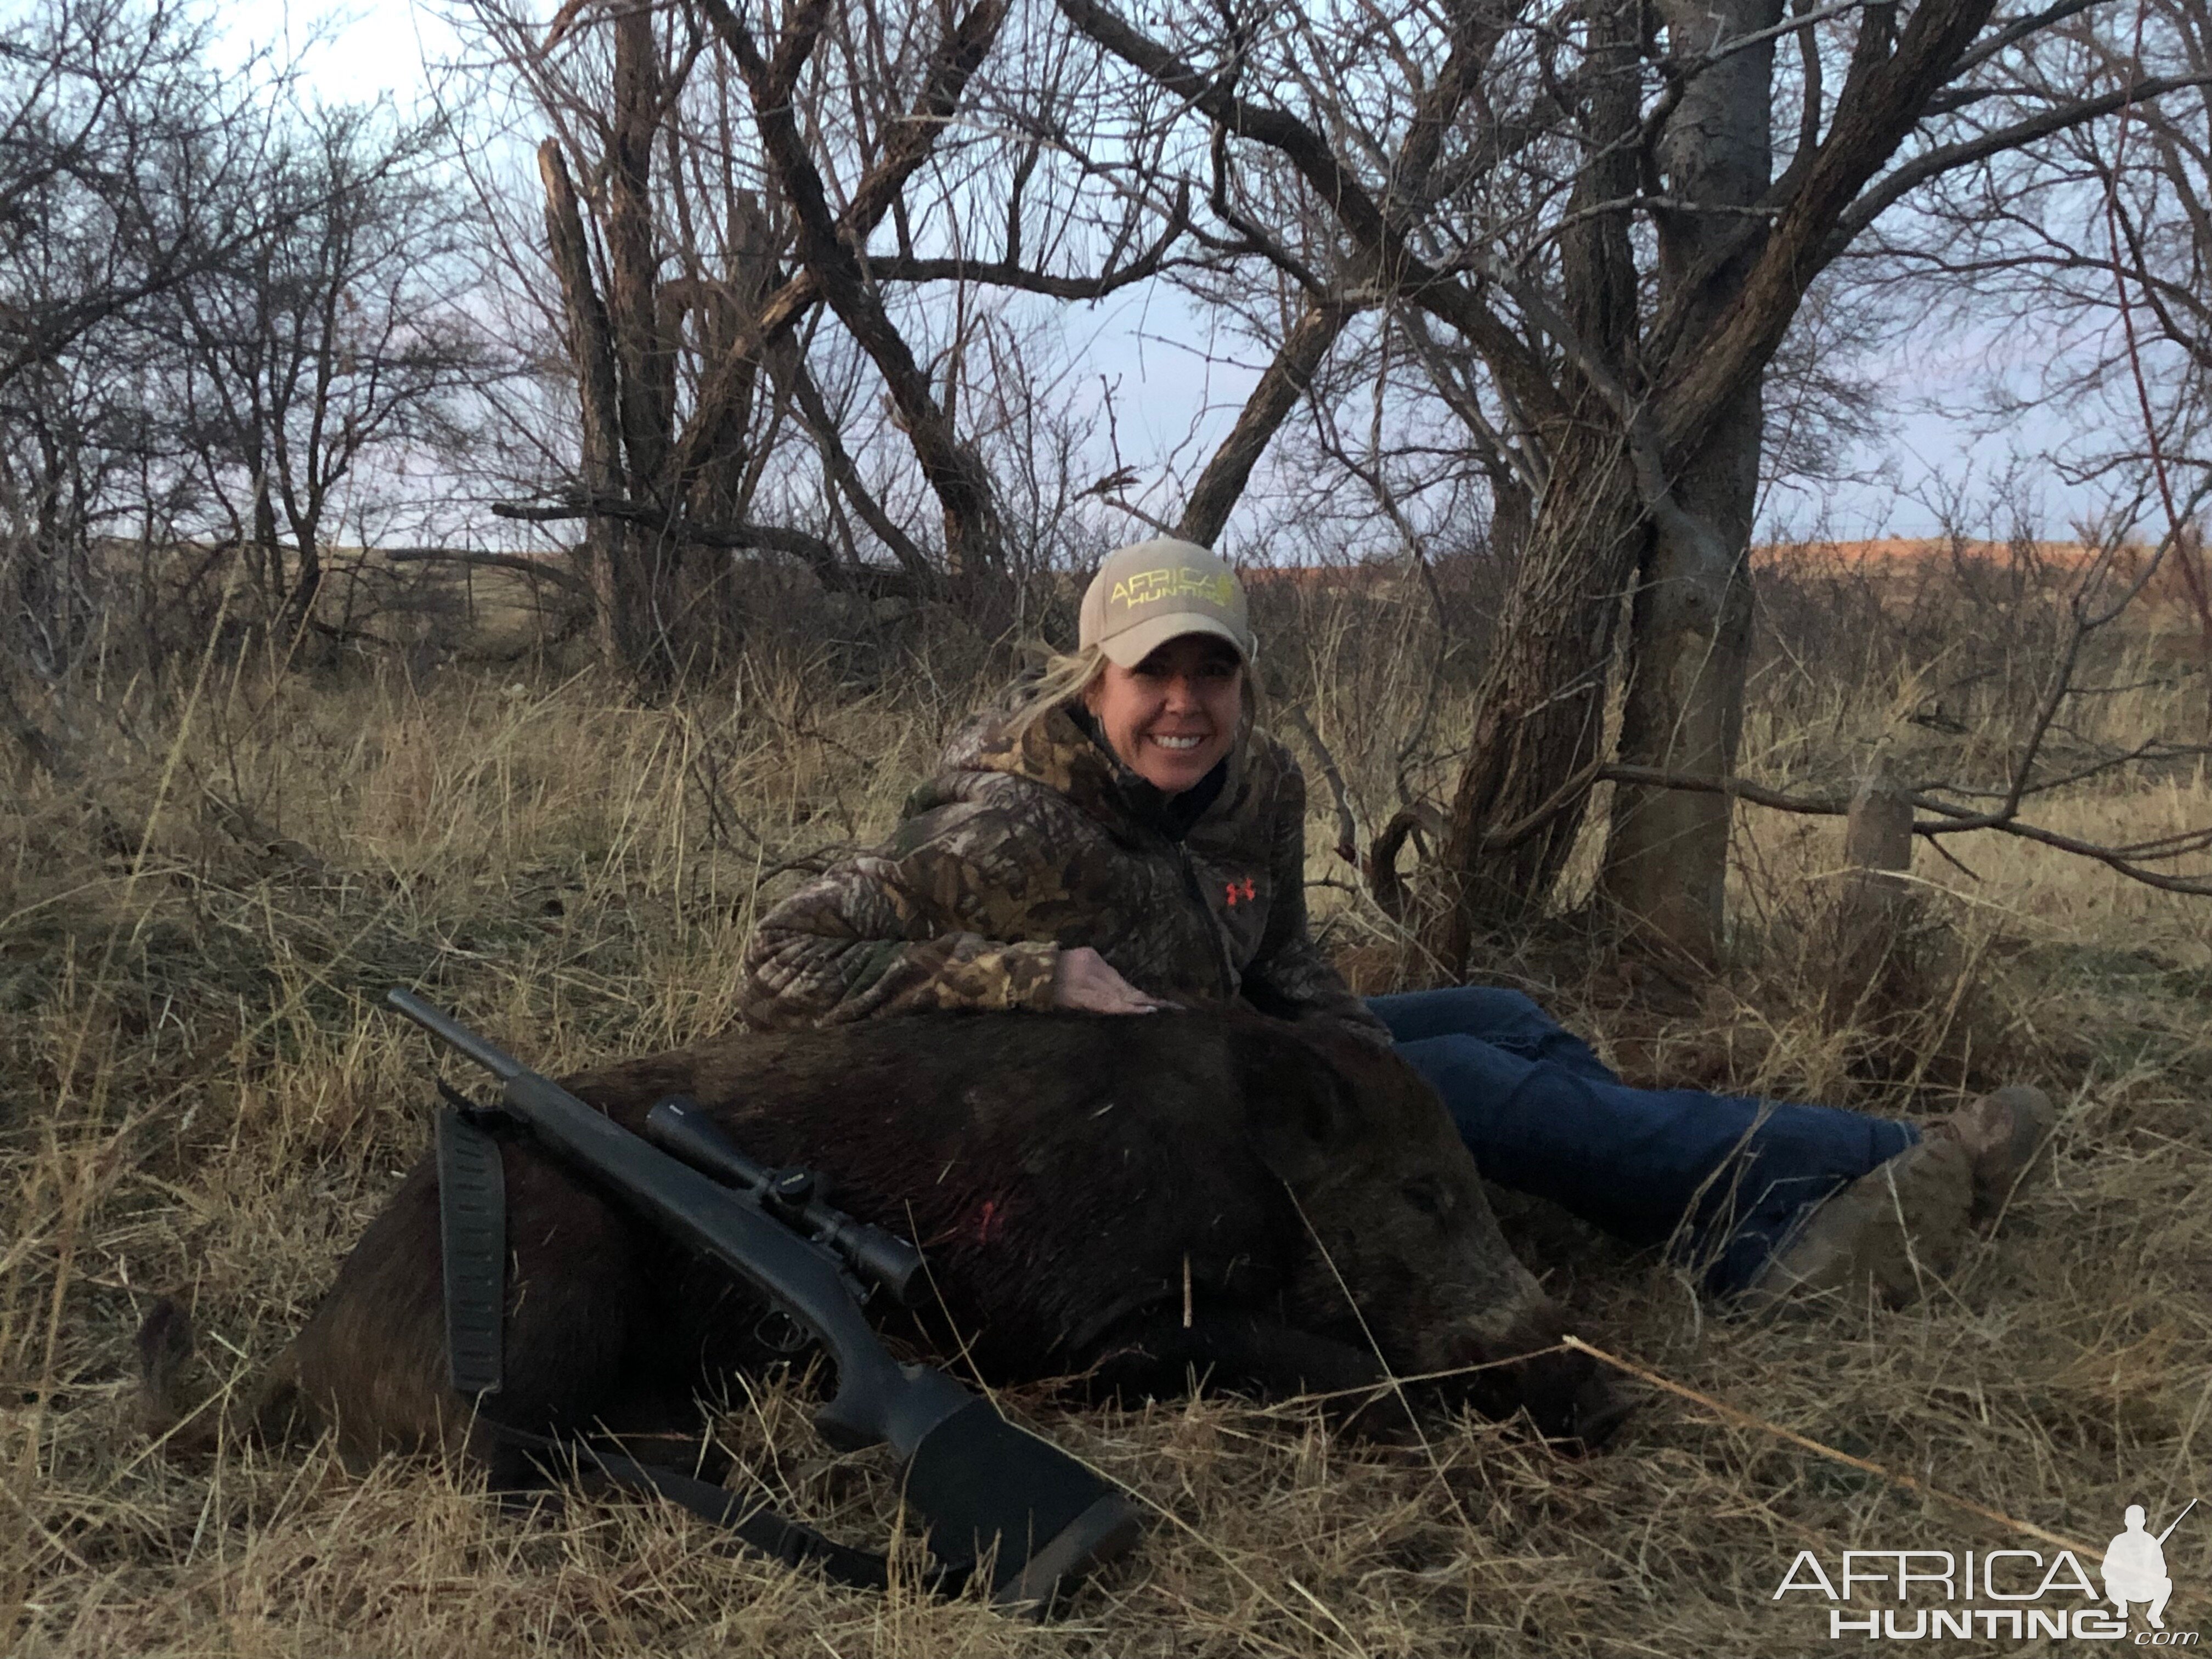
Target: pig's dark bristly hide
1138	1200
1057	1170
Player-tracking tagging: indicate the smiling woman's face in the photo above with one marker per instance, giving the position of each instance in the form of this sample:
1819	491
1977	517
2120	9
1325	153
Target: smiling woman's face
1172	717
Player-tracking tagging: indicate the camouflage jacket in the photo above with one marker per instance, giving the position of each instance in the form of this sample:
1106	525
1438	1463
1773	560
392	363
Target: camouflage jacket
1023	845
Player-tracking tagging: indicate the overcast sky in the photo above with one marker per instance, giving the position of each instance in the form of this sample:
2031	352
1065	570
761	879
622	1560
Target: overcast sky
1146	347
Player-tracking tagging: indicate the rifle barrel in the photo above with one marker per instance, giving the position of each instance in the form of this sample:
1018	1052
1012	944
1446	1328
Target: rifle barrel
677	1126
2177	1521
496	1060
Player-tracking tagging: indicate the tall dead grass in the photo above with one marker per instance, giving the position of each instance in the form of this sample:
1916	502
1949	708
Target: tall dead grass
199	1095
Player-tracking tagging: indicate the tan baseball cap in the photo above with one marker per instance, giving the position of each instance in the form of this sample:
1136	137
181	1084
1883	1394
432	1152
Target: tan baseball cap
1146	595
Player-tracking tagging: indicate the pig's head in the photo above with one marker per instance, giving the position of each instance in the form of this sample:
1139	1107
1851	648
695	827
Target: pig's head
1402	1223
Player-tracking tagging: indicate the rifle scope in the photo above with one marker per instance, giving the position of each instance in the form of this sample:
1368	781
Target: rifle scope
680	1126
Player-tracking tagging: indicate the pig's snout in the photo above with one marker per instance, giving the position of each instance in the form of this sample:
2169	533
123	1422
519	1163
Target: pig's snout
1571	1399
1601	1406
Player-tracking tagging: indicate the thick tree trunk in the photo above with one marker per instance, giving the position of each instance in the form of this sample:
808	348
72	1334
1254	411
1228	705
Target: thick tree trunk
641	347
591	353
1666	858
268	550
663	600
1666	863
724	312
307	585
666	639
720	489
1540	705
1512	513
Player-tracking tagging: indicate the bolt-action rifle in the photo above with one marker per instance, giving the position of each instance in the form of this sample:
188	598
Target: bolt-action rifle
979	1485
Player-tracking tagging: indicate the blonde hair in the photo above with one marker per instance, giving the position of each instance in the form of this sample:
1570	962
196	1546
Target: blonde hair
1065	676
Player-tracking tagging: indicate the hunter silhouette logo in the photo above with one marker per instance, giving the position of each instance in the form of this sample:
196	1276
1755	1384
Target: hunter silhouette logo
2134	1566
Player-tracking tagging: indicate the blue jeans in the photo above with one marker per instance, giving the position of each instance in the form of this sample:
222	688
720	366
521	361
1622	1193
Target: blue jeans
1542	1115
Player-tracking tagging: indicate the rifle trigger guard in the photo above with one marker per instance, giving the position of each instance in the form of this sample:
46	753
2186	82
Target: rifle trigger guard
778	1332
474	1113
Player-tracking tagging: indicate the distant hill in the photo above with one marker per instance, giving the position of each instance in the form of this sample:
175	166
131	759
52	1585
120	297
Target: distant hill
1906	560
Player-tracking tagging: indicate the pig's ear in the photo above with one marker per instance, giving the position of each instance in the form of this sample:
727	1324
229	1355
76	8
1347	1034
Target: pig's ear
1298	1107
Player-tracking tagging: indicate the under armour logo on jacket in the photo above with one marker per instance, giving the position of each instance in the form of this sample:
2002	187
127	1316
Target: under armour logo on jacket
1240	890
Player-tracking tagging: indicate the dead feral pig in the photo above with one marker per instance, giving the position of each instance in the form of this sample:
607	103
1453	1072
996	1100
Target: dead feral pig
1133	1200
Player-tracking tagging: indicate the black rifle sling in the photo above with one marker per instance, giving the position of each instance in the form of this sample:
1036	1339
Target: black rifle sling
757	1527
472	1235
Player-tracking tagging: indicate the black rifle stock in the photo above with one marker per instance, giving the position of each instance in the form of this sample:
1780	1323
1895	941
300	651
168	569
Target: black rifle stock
981	1484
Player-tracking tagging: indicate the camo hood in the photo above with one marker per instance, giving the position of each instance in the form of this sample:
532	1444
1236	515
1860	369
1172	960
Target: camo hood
1032	840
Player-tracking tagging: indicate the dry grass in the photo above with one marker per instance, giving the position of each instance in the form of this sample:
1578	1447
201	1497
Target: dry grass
197	1093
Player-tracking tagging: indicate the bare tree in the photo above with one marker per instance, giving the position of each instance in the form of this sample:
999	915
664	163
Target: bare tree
125	164
129	165
2099	239
124	158
751	226
316	358
1625	209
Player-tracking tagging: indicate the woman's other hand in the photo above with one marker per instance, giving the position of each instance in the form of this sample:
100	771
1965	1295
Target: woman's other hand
1084	979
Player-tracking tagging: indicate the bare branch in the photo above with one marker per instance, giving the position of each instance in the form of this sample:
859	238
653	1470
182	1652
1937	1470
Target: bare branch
792	358
1881	103
1950	820
1297	361
1008	274
1887	192
1399	267
817	554
953	468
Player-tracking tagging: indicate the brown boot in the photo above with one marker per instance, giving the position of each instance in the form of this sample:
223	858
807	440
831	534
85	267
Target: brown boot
1900	1221
1911	1216
2002	1132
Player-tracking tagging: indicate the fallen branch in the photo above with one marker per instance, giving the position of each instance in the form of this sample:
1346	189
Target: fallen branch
817	555
1419	820
1419	823
1653	777
1347	826
516	561
1745	1419
1949	820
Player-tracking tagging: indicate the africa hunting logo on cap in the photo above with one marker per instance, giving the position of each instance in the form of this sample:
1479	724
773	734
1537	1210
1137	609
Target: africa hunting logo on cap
1146	595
